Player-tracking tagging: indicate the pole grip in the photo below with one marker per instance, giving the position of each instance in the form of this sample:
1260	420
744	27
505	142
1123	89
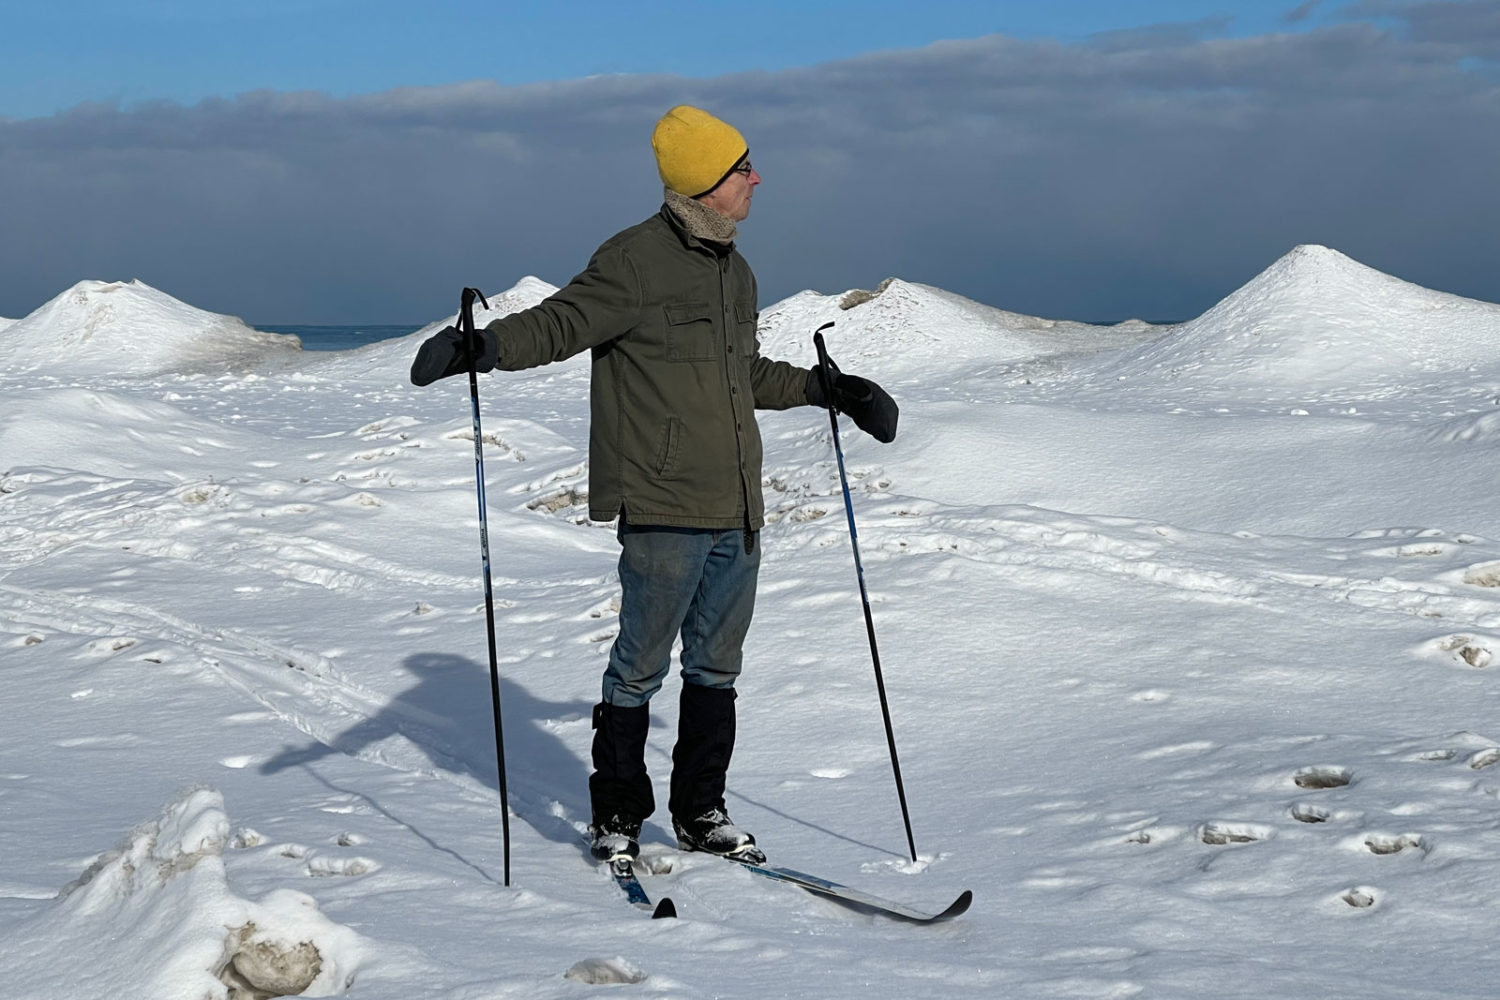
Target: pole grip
466	326
826	368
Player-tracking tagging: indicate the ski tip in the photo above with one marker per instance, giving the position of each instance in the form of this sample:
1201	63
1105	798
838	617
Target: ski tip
960	905
666	908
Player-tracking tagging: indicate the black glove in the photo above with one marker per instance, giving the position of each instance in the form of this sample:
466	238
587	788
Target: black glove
871	407
442	355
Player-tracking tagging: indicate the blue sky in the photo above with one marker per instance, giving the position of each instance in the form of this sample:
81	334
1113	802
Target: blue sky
333	161
60	53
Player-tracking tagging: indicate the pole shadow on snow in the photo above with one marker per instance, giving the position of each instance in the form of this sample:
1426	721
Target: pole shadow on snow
732	794
447	716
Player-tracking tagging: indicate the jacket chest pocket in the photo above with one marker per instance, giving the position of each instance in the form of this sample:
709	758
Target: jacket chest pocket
692	334
745	344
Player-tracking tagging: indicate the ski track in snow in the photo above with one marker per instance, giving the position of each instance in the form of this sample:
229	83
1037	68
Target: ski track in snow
1172	756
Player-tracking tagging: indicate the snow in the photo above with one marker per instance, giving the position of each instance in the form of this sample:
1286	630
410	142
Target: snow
1318	324
152	918
1189	634
130	328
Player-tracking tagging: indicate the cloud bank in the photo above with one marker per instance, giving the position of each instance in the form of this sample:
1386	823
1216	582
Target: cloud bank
1141	173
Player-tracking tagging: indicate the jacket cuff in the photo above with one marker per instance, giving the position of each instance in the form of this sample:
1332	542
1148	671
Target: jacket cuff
814	389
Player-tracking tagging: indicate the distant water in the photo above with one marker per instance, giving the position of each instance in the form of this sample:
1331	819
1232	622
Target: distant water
343	338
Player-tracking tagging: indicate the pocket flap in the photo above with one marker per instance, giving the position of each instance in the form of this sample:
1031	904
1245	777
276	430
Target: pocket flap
688	312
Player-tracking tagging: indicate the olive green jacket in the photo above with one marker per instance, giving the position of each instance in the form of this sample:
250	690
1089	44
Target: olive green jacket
677	375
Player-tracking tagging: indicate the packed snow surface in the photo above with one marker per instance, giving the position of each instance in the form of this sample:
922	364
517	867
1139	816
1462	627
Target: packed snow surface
1189	635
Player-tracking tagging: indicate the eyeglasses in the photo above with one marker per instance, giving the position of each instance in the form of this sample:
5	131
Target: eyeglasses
744	167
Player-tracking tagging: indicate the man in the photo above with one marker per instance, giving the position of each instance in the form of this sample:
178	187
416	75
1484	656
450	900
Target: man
668	310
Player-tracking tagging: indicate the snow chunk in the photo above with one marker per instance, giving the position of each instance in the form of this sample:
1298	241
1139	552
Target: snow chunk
157	918
130	328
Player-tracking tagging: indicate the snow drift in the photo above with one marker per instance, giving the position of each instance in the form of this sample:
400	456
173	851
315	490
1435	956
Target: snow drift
130	328
156	918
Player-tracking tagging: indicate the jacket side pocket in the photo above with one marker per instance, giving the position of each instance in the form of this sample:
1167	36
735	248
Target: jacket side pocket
666	449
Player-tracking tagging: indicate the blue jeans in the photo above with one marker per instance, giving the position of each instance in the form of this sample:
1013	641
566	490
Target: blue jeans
699	582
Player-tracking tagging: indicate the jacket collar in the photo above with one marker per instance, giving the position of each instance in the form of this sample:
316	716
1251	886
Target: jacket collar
697	225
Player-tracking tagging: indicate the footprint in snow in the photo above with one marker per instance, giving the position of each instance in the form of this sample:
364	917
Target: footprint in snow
1217	833
1317	778
1385	843
1302	812
1485	758
321	867
246	838
111	645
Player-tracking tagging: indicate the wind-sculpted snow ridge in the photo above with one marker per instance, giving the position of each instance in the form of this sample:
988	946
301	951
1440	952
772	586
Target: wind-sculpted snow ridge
901	325
132	329
156	918
1315	324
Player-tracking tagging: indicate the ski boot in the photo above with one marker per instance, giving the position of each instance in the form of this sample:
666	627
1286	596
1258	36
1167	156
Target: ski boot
715	833
614	839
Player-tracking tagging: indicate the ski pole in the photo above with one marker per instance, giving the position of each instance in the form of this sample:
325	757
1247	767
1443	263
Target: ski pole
826	372
471	352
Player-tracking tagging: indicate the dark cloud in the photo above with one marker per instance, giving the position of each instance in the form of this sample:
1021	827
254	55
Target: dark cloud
1141	174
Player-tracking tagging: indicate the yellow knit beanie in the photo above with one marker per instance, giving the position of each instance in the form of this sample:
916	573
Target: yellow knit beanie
694	150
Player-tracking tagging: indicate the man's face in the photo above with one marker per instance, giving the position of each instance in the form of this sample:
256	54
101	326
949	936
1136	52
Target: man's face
732	196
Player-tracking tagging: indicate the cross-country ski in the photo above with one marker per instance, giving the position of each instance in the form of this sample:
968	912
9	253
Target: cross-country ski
859	898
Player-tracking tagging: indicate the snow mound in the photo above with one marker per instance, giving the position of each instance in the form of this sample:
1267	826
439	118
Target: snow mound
524	294
902	324
130	328
398	352
156	918
1317	319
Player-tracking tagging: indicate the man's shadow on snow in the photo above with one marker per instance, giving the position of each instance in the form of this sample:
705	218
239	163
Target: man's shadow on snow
447	716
